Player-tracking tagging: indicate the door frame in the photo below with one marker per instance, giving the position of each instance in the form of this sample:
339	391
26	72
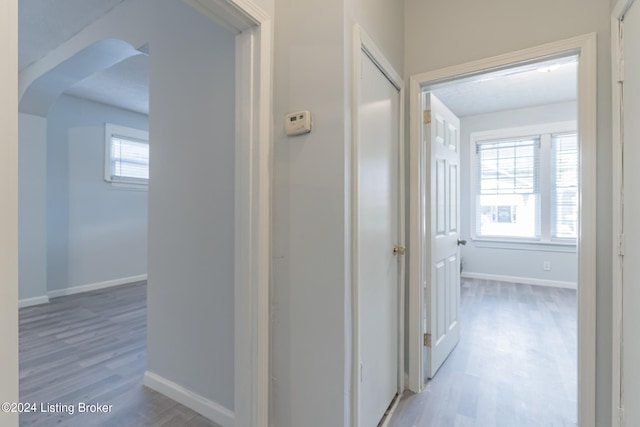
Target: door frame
617	395
9	212
362	42
585	47
253	169
253	166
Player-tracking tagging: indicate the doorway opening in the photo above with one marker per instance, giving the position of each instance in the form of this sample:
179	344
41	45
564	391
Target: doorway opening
247	144
494	216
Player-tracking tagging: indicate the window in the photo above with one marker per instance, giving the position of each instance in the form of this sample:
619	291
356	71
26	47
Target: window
508	188
126	155
524	184
564	186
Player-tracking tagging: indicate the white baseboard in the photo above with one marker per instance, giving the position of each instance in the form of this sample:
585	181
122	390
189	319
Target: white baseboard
95	286
28	302
201	405
523	280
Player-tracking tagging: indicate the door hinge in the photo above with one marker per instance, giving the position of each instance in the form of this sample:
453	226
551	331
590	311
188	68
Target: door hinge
427	340
621	245
621	70
621	420
427	117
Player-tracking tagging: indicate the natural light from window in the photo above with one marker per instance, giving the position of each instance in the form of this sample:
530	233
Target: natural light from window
526	187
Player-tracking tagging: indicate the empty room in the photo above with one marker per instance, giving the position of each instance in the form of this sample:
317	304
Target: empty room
126	236
500	322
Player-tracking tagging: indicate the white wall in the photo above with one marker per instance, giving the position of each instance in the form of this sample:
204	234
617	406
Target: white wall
440	34
95	233
308	330
311	305
32	167
512	259
107	223
191	202
9	211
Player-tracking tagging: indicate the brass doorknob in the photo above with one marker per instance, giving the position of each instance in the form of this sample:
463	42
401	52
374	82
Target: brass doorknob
399	250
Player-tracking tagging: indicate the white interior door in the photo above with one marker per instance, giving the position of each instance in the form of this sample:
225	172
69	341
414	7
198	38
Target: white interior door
441	136
631	213
378	233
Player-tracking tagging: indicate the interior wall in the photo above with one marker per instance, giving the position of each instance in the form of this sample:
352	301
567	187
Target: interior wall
32	167
383	21
311	293
191	203
510	259
95	232
440	34
309	287
107	223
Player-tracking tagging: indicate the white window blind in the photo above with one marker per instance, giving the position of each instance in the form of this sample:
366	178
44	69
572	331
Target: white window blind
508	195
129	159
564	186
126	155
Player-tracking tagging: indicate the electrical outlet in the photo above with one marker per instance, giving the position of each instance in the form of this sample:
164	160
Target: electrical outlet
546	266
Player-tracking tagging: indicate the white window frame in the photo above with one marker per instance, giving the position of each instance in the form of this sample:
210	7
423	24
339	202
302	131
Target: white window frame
111	130
543	131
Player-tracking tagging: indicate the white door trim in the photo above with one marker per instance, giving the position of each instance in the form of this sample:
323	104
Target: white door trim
362	42
585	47
252	202
9	211
617	402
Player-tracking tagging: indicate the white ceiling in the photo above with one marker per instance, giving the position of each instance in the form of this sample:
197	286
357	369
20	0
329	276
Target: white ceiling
125	85
46	24
521	87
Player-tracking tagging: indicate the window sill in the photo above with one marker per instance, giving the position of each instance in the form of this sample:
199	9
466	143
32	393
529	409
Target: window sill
128	186
525	245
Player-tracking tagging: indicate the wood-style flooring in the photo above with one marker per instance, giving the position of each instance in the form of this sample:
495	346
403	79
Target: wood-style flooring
515	364
91	348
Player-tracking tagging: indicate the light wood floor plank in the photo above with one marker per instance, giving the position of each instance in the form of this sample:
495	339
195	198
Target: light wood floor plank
91	347
515	364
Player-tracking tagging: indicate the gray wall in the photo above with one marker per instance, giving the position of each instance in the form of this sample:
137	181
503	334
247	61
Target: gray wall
511	259
440	34
191	202
32	167
311	305
91	226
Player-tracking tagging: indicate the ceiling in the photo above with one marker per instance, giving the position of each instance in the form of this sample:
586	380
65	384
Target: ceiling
542	83
124	85
46	24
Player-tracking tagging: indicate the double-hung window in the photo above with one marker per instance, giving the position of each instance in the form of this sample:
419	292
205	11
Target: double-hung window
564	186
524	184
126	155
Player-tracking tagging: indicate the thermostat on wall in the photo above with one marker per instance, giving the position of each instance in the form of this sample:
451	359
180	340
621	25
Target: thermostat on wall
298	123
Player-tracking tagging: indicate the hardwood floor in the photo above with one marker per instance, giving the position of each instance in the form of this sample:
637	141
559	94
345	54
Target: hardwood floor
515	364
91	348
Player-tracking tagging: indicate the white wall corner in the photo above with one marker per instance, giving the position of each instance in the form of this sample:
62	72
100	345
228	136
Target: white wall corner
188	398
